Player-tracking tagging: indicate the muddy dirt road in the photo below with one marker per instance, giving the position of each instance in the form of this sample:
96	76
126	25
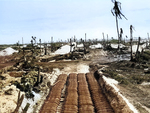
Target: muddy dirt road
82	94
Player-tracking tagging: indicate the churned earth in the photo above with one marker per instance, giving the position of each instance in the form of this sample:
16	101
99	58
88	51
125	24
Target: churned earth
130	83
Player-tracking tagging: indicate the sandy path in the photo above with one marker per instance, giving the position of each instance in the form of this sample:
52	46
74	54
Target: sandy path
76	68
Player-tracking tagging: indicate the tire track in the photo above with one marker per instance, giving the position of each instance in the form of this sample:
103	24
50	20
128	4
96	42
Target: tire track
53	100
71	100
76	93
100	101
85	101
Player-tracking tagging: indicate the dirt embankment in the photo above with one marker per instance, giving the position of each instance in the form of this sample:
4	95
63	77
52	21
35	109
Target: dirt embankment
118	102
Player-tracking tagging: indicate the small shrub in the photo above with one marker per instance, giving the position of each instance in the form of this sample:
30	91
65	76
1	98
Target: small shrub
124	81
145	56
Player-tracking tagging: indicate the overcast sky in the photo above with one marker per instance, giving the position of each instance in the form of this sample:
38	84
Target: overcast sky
63	19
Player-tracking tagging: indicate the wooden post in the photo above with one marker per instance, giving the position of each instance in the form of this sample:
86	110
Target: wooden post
26	108
131	49
19	102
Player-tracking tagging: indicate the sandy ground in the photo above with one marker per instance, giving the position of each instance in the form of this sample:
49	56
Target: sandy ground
8	102
77	68
11	100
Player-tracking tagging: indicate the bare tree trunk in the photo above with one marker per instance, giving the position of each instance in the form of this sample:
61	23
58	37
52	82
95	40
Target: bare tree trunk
70	45
26	108
131	31
138	45
103	40
51	44
19	102
45	49
118	33
131	49
148	38
137	51
22	41
146	43
40	45
107	40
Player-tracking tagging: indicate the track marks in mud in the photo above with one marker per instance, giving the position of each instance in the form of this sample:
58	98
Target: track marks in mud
53	100
77	93
100	102
71	100
85	101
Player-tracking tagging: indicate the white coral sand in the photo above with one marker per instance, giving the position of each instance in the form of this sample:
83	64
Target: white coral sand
63	50
96	46
7	51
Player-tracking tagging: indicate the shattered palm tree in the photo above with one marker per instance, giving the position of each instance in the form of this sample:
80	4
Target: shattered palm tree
116	11
121	32
131	39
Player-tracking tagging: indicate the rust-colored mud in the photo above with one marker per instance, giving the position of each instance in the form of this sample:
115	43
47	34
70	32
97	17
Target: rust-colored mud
100	102
85	101
71	100
53	100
